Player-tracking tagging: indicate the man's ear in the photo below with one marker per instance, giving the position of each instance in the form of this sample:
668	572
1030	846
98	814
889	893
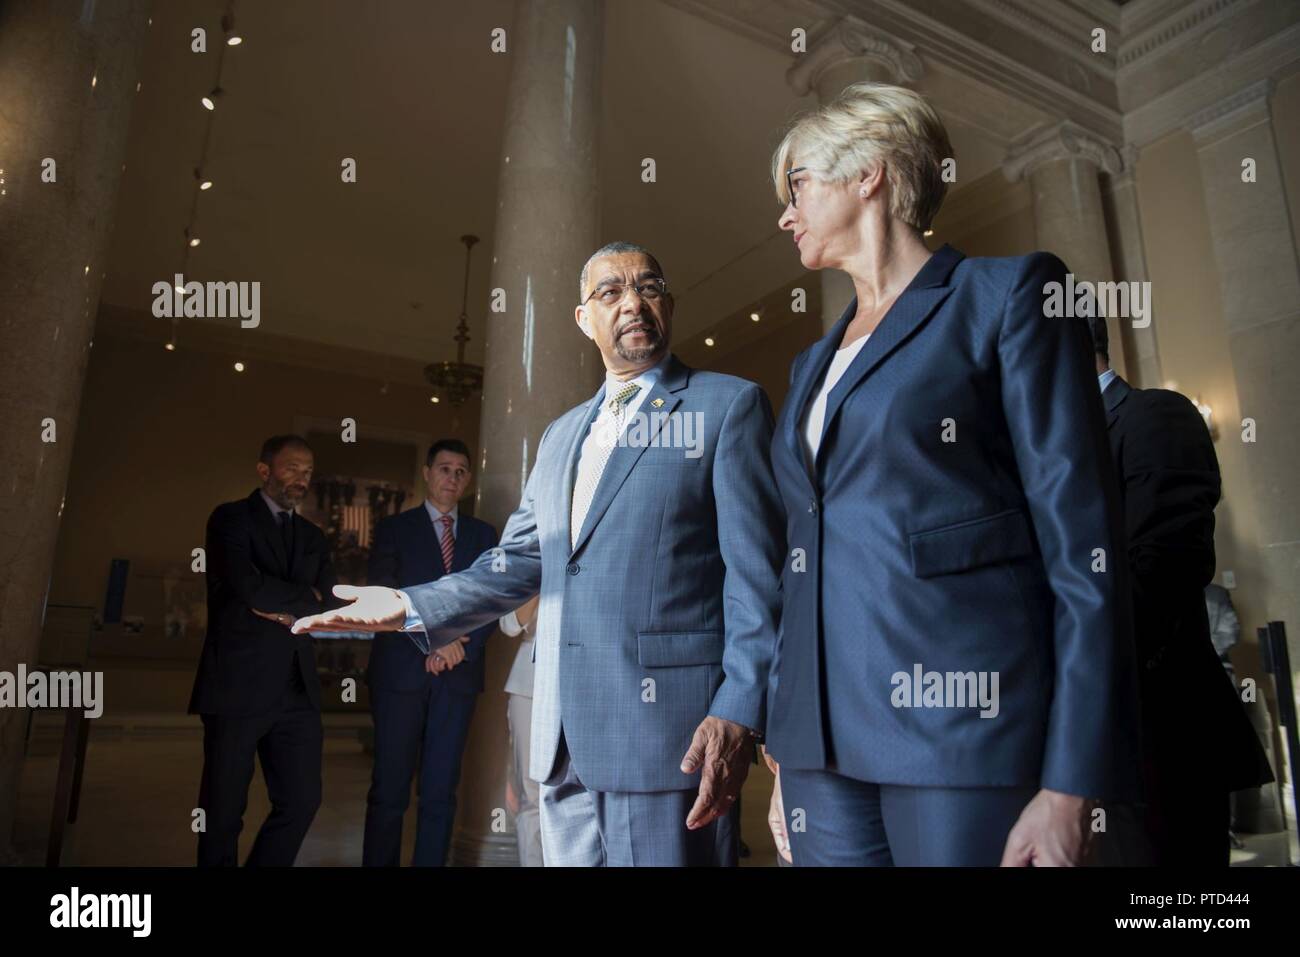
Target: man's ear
584	323
263	471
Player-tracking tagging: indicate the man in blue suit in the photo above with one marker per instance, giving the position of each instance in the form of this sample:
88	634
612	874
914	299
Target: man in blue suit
422	704
651	527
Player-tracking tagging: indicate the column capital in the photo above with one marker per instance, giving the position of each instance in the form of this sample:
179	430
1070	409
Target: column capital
851	39
1065	140
1247	105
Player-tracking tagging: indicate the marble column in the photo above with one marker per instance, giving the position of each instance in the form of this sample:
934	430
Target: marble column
1063	164
1119	199
68	72
1259	283
848	52
538	363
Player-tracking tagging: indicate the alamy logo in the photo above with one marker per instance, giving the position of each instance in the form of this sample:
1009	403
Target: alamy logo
57	689
655	430
946	689
103	910
209	300
1086	300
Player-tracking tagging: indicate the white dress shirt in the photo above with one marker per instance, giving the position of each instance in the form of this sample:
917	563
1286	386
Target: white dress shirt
600	426
815	417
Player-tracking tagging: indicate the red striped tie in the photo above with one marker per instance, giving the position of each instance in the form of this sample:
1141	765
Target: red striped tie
448	541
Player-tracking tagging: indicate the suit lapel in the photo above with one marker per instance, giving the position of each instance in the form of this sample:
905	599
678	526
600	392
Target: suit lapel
810	376
904	317
299	534
582	425
428	545
923	295
463	552
1113	398
625	456
270	529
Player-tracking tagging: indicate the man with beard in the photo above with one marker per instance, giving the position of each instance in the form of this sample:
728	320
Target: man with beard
256	687
659	573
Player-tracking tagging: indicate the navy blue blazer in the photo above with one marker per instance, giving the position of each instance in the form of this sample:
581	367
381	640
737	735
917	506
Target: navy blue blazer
407	551
246	660
950	522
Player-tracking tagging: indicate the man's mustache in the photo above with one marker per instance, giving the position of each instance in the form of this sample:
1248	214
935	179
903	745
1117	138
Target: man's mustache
648	327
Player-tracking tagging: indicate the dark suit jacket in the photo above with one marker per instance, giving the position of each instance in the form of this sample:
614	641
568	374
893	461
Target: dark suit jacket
964	556
407	551
1195	728
246	660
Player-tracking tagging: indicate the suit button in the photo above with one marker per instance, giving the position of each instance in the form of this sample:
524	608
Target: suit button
812	507
573	568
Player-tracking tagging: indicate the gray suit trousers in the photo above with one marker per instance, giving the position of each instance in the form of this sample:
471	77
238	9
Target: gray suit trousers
585	828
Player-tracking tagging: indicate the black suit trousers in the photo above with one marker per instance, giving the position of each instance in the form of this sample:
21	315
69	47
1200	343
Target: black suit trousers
287	740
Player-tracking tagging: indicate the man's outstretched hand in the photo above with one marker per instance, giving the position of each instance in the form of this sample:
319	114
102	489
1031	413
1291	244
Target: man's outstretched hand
372	608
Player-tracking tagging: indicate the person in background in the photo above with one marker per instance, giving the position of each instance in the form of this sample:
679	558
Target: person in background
1197	741
519	715
422	704
256	688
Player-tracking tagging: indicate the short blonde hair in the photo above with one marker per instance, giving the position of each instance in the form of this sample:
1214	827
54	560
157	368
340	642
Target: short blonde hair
866	125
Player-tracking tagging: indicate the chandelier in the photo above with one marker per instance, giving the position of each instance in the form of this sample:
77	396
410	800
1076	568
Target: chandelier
458	380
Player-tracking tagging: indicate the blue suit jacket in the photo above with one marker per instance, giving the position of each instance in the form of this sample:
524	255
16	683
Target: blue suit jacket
665	609
407	551
970	555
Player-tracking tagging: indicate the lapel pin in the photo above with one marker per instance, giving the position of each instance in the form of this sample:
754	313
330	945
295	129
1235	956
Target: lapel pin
657	403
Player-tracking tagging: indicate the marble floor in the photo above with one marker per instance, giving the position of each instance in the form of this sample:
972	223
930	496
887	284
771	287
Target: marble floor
141	785
142	773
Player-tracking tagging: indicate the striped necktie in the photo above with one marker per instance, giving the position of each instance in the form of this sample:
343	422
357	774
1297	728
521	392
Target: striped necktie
448	541
604	432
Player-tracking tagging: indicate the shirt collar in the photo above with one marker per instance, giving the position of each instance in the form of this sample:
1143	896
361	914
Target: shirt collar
434	514
1105	379
274	506
645	380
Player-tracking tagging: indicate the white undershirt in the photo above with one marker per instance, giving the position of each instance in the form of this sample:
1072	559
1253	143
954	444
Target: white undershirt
815	417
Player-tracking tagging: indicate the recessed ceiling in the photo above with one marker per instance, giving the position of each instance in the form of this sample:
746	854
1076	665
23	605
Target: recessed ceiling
412	91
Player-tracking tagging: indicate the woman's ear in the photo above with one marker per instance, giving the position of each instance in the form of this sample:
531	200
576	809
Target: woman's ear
870	180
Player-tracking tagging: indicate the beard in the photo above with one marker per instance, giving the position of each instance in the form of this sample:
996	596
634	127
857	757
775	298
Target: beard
286	496
654	342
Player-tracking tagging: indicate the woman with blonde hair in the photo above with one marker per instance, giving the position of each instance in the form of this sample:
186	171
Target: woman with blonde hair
954	682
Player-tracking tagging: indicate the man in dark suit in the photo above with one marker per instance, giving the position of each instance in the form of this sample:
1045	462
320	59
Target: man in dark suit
422	706
256	687
1198	743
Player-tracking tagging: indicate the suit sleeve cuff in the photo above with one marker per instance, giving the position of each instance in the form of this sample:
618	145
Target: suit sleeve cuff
413	627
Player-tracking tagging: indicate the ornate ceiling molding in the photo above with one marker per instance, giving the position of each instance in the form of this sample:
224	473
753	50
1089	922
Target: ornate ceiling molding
851	39
1250	102
1062	141
1182	26
1178	109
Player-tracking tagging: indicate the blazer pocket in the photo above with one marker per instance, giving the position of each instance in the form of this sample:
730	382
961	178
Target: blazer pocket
966	545
669	649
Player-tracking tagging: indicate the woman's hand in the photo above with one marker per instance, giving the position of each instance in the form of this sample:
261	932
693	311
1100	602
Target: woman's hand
776	817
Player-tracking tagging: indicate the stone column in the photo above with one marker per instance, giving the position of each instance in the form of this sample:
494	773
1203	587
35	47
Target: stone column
1119	198
68	72
1259	282
538	363
849	52
1063	164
